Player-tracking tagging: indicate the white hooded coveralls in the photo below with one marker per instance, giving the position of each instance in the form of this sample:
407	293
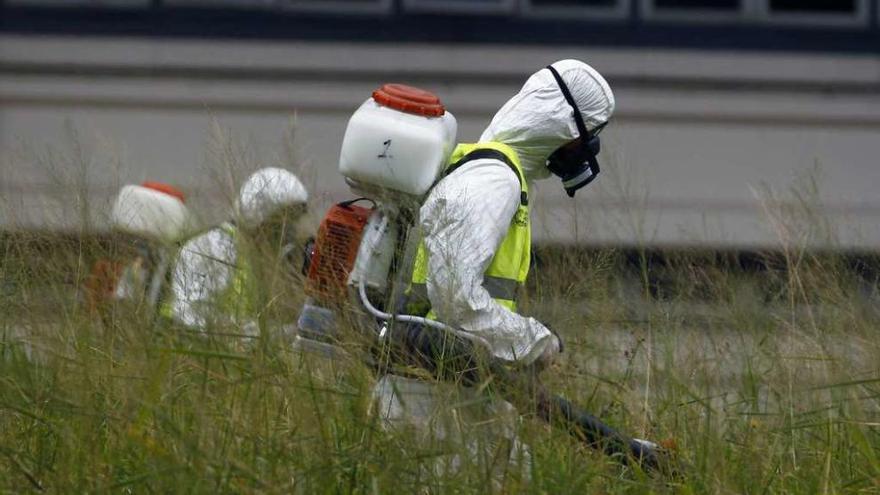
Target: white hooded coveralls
207	264
466	216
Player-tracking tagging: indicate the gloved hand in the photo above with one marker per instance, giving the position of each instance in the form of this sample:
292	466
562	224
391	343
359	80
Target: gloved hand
250	329
558	339
551	351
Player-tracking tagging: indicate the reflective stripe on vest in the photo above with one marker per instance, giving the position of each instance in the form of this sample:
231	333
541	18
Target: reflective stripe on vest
510	264
497	287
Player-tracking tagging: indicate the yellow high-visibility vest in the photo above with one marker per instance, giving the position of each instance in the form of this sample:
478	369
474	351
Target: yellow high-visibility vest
510	266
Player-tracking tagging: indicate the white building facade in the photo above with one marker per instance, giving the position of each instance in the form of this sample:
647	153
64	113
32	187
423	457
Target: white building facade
738	121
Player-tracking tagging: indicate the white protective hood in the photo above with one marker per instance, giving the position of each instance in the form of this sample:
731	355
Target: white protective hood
267	191
538	120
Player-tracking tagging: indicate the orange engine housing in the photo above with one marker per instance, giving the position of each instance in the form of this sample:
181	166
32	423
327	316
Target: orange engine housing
339	237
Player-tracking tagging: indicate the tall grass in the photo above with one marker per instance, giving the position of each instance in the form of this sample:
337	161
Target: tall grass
763	372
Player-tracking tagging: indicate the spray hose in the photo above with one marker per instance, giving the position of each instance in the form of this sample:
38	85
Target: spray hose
432	340
419	320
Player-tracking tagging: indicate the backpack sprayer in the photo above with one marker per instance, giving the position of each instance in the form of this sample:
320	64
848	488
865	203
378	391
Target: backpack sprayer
395	148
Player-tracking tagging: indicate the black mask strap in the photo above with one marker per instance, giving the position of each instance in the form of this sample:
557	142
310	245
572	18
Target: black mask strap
579	170
578	119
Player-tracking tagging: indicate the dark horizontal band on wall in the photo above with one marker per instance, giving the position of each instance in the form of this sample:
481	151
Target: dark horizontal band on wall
396	28
292	75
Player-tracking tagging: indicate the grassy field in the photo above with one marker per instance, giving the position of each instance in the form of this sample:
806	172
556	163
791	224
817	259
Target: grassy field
762	370
766	381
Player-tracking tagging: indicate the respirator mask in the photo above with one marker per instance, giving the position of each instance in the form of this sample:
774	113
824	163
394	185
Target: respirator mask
576	165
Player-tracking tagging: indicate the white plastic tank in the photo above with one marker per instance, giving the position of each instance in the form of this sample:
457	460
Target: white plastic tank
153	211
399	139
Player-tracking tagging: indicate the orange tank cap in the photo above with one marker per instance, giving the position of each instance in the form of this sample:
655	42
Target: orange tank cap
409	100
165	188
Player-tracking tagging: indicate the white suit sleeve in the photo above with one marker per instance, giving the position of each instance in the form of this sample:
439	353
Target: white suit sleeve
464	220
204	269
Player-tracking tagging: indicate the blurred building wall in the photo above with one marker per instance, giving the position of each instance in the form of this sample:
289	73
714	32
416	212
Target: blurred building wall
702	147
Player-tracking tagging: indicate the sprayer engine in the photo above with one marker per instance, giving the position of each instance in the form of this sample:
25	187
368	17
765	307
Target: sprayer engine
335	251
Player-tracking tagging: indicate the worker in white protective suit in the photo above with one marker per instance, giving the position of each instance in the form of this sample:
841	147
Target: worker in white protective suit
223	277
476	251
150	220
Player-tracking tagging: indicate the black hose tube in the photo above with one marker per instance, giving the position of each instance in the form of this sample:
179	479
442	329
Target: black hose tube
596	433
452	358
